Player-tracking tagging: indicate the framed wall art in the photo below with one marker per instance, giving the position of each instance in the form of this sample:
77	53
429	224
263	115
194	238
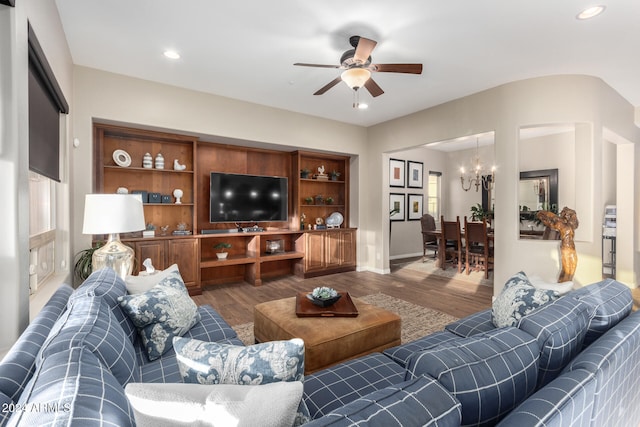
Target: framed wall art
396	173
414	206
396	207
414	174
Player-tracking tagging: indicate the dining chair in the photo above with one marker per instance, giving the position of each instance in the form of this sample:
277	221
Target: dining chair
429	240
451	243
478	249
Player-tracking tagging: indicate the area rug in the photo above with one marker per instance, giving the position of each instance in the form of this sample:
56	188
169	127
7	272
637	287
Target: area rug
417	321
429	267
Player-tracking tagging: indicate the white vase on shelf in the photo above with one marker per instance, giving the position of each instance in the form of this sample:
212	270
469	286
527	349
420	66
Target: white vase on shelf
159	161
147	161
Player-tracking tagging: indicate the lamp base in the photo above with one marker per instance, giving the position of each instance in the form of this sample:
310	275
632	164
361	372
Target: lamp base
114	254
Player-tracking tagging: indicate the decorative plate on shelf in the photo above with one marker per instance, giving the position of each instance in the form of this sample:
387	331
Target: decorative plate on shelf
335	219
122	158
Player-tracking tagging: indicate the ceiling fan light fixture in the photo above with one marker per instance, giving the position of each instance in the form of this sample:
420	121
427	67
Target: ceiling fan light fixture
355	78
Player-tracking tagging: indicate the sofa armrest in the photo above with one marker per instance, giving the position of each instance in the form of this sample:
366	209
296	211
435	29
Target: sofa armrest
610	302
403	352
19	363
334	387
421	401
490	374
474	324
565	401
614	361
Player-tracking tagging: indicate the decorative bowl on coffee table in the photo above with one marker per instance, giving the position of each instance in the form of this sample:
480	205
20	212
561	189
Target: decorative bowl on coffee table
324	302
324	296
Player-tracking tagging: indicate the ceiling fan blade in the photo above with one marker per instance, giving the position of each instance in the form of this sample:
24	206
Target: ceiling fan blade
364	49
328	86
301	64
398	68
373	88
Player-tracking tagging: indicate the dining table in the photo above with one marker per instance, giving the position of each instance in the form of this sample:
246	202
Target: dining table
441	243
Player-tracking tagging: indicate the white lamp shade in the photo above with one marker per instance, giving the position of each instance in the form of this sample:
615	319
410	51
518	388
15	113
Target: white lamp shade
112	213
355	77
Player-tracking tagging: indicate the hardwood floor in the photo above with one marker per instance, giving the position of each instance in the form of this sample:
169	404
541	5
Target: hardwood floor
235	301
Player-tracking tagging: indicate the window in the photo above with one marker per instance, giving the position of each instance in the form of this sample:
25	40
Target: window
434	194
46	103
42	229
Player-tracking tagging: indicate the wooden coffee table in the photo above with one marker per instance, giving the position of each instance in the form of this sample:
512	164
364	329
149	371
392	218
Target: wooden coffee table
328	340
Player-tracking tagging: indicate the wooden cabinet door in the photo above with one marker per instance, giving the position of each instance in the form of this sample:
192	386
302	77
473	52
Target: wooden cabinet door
333	241
348	243
184	252
154	249
314	258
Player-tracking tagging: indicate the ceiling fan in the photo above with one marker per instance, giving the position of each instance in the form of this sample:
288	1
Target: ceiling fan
358	67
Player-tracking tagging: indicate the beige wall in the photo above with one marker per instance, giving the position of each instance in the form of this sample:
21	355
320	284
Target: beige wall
406	239
456	201
555	99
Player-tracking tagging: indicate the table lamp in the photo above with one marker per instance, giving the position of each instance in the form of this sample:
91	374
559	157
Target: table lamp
113	214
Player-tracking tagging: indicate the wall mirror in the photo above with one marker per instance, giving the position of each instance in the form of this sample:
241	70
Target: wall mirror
537	190
545	153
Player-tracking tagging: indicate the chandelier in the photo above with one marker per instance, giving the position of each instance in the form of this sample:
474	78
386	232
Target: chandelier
476	176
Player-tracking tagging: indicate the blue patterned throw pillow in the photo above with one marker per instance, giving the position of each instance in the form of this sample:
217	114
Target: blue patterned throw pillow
163	312
517	299
214	363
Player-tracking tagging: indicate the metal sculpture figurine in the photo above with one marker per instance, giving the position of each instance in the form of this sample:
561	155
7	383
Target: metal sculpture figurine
565	223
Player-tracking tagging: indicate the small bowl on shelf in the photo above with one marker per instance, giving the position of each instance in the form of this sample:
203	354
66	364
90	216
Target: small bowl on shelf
324	297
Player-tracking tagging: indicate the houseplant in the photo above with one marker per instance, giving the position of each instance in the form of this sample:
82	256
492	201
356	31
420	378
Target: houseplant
222	254
83	264
329	200
304	173
478	214
334	175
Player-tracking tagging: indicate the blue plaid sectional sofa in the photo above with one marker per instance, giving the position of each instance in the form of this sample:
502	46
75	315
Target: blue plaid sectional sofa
71	364
572	362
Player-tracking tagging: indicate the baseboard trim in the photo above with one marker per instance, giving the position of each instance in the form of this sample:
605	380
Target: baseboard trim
405	256
375	270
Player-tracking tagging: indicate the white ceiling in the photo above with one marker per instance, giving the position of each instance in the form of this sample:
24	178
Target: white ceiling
245	49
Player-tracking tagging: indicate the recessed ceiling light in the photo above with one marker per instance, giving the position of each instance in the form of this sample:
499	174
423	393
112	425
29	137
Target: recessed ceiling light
363	106
171	54
591	12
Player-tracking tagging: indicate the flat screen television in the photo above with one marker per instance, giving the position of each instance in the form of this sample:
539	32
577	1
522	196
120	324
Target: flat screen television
247	198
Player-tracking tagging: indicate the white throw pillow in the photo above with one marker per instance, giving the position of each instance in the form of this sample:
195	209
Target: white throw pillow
141	284
177	404
561	288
